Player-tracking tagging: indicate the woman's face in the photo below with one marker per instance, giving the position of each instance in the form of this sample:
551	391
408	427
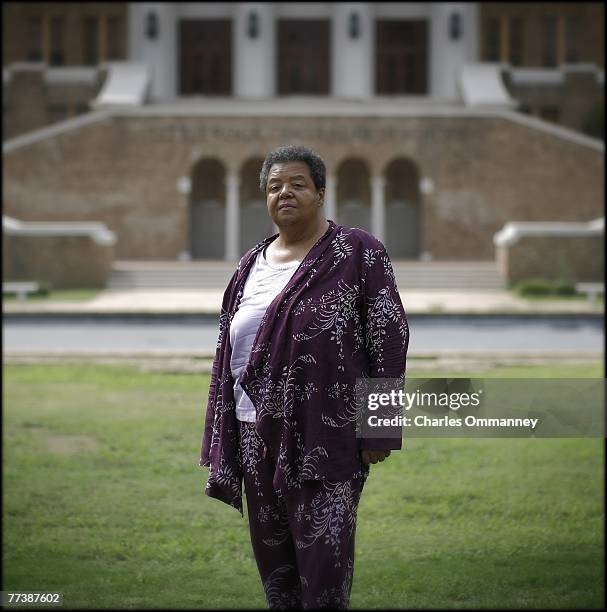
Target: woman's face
291	195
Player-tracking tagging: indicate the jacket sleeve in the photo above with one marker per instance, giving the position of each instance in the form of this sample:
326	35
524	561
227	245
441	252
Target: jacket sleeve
219	354
385	326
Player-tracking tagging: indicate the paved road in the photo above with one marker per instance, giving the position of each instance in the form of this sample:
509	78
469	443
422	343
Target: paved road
453	333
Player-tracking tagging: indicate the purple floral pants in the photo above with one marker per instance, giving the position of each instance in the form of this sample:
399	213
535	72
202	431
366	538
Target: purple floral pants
303	542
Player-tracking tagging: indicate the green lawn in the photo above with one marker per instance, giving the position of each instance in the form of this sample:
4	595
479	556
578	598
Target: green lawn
103	501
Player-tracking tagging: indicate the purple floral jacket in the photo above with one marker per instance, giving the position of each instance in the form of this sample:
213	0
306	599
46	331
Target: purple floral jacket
339	318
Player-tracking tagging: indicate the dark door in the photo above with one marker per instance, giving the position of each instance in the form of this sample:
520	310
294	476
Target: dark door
401	56
303	56
205	57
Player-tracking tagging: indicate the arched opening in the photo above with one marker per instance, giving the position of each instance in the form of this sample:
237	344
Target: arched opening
354	194
207	210
403	209
255	223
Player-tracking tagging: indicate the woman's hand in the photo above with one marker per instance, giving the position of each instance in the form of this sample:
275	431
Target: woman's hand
373	456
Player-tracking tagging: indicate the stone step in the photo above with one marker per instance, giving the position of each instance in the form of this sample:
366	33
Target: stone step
215	275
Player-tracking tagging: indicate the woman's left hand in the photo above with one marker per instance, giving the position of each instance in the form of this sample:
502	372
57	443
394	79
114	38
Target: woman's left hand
373	456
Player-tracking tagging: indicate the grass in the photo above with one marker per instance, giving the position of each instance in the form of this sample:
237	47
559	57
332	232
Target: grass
57	295
103	501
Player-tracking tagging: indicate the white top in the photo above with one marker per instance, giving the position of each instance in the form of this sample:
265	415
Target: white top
264	283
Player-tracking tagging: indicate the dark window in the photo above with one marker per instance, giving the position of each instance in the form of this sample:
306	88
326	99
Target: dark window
34	53
571	39
57	112
550	113
525	109
82	108
205	57
492	39
57	57
516	41
549	52
401	57
114	38
90	41
303	56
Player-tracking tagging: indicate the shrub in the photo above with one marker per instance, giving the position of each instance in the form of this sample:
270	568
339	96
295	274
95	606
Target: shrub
44	288
563	287
533	286
542	286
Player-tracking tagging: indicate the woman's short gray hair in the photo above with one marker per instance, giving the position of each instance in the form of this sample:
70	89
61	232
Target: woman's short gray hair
290	153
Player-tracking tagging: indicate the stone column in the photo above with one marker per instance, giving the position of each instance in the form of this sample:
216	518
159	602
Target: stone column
254	52
352	68
232	228
331	198
378	208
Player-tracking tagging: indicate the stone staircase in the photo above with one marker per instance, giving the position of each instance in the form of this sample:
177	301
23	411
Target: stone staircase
216	274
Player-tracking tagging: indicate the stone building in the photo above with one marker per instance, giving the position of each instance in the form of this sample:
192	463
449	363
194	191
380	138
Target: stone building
53	59
409	104
56	54
552	56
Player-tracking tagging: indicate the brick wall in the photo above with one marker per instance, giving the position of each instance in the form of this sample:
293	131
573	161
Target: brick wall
16	35
574	100
123	171
590	40
30	102
570	258
66	262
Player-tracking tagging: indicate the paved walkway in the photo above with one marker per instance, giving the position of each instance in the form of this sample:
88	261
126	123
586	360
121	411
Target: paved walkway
427	301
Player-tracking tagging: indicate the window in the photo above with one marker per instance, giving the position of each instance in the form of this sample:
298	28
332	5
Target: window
525	109
57	57
57	112
516	41
571	39
90	41
303	56
492	39
401	56
34	53
205	62
114	39
549	42
550	113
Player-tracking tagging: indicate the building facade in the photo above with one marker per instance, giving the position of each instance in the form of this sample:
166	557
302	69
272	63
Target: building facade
55	54
380	90
53	59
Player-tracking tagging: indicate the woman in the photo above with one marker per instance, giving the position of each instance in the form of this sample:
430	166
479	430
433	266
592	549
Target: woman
307	312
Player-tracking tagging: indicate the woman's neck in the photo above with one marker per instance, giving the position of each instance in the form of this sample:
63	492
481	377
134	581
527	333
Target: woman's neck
291	245
293	237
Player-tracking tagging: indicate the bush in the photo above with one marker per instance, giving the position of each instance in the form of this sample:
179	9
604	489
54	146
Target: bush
44	288
562	287
542	286
533	286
